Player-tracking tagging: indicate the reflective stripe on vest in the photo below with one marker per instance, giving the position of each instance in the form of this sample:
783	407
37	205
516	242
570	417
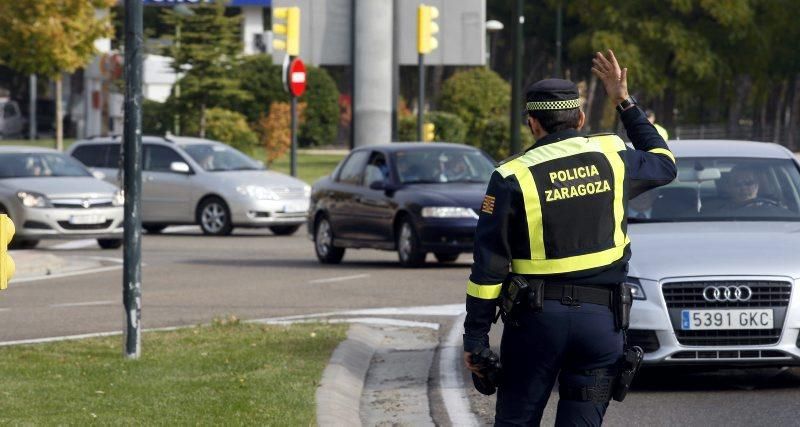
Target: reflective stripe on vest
574	183
483	291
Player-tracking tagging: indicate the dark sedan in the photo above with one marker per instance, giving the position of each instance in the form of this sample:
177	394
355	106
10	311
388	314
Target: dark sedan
414	198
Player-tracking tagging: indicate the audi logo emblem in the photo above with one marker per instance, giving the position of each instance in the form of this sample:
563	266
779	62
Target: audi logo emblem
727	293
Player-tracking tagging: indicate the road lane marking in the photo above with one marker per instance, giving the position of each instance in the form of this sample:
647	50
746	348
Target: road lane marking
366	320
62	275
339	279
84	336
75	244
451	384
83	304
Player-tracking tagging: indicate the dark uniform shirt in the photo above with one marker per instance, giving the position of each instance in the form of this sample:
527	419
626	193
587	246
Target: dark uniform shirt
503	225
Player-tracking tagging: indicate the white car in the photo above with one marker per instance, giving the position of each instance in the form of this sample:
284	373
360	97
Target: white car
49	195
716	258
12	124
204	182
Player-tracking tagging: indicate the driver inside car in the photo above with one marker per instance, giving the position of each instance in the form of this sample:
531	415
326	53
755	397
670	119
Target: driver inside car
742	191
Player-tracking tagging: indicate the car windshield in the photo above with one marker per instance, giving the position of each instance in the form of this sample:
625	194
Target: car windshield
218	158
443	165
724	189
35	165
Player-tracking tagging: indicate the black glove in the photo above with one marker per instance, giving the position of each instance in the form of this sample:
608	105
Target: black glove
490	369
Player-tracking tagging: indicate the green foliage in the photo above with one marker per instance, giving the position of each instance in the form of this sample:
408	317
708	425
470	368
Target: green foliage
157	118
322	109
492	135
474	95
448	127
231	128
210	47
262	79
47	37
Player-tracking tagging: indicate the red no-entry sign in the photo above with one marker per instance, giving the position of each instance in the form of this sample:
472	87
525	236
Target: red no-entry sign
297	77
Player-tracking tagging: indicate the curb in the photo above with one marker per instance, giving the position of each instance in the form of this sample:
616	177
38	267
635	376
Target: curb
339	393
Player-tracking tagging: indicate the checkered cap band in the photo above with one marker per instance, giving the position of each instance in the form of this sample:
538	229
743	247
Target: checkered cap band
553	105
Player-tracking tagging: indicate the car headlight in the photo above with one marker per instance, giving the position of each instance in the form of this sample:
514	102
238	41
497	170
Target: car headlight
307	191
257	192
448	212
31	199
636	288
119	199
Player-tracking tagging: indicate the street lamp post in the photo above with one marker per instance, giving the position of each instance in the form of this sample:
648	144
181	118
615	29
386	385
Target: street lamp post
492	28
183	11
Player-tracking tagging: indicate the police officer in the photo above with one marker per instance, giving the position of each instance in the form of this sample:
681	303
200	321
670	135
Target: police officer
556	214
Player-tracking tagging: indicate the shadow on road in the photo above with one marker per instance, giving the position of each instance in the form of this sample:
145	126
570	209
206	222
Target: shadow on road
314	264
690	379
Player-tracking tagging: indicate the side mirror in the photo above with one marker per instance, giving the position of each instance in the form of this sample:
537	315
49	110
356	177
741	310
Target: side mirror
99	175
377	185
180	167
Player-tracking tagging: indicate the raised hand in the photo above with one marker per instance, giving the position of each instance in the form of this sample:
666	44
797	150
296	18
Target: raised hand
615	80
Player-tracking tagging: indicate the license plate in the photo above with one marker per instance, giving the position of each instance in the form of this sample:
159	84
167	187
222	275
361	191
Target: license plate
726	319
295	207
86	219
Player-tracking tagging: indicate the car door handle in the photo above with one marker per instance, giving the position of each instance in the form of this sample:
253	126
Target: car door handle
150	178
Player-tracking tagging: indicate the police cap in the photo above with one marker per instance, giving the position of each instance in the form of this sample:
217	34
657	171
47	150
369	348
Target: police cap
552	94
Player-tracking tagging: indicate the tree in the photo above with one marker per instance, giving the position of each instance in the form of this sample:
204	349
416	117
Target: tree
275	130
475	94
50	37
231	128
261	78
208	51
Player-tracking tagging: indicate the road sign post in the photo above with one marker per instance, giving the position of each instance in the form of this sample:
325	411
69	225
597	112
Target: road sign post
296	83
132	158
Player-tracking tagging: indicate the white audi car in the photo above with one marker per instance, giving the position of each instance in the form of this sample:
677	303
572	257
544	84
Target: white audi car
716	258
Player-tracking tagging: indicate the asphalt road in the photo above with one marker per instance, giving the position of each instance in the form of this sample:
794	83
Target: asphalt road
190	279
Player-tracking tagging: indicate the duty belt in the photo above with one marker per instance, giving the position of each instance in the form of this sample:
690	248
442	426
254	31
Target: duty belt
577	294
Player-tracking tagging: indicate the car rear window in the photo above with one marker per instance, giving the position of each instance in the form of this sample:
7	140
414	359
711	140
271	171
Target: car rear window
98	155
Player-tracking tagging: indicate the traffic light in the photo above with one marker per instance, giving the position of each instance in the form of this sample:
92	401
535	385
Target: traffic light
427	28
428	132
7	267
290	29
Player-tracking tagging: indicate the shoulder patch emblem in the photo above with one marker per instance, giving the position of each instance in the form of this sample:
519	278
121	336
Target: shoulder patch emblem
488	205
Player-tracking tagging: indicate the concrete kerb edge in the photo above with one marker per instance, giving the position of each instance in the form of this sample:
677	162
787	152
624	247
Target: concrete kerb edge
339	393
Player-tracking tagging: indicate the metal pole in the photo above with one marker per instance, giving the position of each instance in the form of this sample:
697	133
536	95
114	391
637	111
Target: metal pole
559	24
132	140
395	68
294	136
32	107
421	101
516	84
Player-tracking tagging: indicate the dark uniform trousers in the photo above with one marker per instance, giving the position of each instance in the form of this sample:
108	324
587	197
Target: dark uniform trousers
561	342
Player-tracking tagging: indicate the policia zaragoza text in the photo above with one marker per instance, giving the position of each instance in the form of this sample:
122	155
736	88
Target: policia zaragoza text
577	189
552	249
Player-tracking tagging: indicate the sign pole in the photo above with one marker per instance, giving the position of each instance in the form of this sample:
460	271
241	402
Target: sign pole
294	135
421	106
132	182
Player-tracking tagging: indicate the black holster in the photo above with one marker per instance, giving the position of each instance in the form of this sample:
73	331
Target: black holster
628	366
518	294
621	304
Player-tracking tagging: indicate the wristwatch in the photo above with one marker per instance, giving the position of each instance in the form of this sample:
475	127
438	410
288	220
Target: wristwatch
627	103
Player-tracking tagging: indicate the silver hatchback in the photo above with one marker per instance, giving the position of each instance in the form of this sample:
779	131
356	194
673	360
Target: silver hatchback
50	195
203	182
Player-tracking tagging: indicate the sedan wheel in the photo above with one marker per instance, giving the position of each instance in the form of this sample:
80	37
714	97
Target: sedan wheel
408	246
214	217
323	243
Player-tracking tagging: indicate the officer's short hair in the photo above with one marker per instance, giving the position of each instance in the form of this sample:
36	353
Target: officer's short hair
557	120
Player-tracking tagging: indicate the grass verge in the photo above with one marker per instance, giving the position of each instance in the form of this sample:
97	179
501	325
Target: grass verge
225	374
310	167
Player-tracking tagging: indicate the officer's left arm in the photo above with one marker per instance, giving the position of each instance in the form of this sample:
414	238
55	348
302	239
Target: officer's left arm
651	164
492	257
